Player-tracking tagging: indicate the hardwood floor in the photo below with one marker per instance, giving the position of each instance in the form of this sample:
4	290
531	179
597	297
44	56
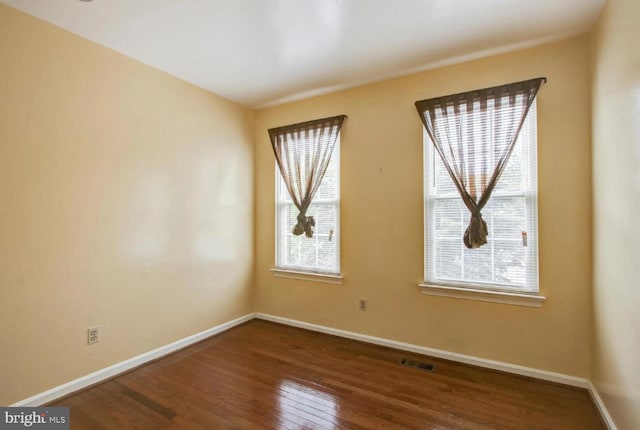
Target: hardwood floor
263	375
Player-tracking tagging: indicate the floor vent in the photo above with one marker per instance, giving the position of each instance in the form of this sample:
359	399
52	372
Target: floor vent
418	364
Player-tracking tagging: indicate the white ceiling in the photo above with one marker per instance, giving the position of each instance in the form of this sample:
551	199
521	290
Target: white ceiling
261	52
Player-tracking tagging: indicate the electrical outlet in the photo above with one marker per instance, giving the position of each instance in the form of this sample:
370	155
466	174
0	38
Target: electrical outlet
93	335
363	305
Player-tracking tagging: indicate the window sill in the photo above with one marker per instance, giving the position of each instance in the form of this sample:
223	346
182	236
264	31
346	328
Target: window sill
520	299
329	278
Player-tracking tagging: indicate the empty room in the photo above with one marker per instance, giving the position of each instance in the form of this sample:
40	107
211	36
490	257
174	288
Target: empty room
319	214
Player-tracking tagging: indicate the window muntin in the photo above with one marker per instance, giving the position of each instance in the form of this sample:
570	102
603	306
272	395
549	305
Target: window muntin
509	261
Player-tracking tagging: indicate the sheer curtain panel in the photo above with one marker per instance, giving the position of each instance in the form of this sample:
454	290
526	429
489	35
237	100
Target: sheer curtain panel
474	134
303	152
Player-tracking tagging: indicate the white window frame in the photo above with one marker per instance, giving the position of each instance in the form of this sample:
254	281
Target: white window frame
501	293
282	201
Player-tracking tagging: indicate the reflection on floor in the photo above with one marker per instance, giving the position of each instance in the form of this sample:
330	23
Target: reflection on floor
263	375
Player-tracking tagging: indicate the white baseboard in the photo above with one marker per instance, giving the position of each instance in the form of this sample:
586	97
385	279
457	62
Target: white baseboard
438	353
123	366
461	358
604	413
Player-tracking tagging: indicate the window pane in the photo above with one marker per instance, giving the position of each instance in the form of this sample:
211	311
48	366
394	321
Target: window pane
510	257
292	257
329	187
511	179
448	256
454	262
307	251
507	217
292	217
450	218
325	216
477	264
321	252
443	183
327	251
506	261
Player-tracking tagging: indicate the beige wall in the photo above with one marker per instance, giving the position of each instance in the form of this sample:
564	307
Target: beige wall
382	227
616	187
126	201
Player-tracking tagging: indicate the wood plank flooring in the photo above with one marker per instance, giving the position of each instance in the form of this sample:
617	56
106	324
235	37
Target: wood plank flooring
263	375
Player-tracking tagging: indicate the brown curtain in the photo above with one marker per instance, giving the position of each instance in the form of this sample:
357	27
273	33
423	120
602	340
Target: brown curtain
474	134
303	152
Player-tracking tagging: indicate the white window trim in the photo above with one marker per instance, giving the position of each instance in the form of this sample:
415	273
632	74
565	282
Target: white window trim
487	293
306	275
303	273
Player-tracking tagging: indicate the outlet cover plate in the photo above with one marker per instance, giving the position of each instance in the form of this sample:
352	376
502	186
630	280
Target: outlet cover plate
93	335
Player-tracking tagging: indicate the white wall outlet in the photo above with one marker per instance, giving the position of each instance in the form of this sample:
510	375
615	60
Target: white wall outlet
362	305
93	335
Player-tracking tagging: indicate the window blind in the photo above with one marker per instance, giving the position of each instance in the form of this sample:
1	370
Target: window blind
509	260
320	253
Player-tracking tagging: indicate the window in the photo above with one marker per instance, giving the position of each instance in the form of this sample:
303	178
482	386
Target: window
320	253
509	260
